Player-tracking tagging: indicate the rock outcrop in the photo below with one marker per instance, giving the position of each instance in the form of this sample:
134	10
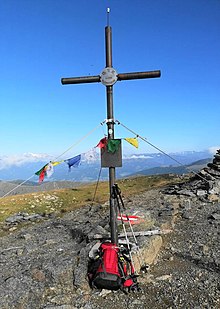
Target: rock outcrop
204	185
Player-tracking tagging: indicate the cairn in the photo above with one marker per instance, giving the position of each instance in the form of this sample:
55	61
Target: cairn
205	185
213	168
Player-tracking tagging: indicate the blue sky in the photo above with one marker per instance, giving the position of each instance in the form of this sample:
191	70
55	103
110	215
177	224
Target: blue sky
44	40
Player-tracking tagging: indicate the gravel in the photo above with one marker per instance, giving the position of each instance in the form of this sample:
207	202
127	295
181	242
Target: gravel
43	266
187	271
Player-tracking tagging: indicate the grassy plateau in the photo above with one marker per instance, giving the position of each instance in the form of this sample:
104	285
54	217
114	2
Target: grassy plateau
65	200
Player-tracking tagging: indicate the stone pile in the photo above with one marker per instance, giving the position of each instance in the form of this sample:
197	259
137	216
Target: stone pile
204	185
13	222
21	217
213	169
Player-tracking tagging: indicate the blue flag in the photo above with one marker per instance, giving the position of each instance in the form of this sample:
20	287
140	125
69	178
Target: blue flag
73	162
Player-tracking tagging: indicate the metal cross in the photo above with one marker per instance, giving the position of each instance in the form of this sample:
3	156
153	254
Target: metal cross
108	78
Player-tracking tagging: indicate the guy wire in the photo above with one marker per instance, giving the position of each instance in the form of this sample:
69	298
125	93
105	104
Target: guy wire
97	183
22	183
79	141
169	156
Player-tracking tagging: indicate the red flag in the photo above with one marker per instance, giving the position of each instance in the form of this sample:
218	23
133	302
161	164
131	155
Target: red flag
42	174
102	143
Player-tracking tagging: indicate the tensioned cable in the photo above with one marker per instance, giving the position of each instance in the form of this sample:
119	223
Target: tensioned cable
97	183
79	141
169	156
17	187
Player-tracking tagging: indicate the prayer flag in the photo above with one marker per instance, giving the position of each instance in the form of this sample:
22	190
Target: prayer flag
132	141
113	145
41	173
38	172
46	170
49	169
102	143
73	162
89	156
54	163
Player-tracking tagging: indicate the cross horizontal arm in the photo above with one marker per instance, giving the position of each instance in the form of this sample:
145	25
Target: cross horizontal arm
139	75
80	80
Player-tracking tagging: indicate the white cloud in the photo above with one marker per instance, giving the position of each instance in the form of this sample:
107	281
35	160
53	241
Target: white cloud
20	159
213	149
141	156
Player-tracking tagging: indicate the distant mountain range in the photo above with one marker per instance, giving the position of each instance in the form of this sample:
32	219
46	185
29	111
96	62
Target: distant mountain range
142	164
178	170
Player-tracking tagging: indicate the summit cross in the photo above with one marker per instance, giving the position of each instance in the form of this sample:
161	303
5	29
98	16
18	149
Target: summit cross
108	78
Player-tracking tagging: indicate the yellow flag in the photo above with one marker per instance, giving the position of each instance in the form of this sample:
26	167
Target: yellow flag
56	162
132	141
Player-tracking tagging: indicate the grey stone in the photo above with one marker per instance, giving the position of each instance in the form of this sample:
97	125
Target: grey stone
186	192
32	217
214	216
205	173
60	307
215	173
185	215
215	190
21	217
14	219
201	192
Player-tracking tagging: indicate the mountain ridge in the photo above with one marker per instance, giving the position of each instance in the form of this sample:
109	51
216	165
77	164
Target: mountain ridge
17	186
178	170
89	169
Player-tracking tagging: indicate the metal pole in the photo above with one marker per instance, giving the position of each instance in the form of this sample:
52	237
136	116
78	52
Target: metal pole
110	124
139	75
80	80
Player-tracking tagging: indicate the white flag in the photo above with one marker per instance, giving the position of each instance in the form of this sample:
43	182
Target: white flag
49	169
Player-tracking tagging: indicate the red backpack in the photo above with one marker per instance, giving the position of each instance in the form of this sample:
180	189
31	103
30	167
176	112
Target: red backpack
112	269
108	275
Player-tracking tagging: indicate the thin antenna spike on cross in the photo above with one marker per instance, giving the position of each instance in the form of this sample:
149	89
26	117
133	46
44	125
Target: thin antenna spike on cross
108	78
108	13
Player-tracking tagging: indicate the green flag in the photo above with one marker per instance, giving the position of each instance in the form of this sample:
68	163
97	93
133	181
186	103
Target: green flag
113	145
41	170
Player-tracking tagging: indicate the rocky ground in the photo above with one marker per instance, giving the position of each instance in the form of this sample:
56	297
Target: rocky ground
187	271
45	265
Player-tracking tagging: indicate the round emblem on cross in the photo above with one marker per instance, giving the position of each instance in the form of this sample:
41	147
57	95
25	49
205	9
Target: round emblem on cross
108	76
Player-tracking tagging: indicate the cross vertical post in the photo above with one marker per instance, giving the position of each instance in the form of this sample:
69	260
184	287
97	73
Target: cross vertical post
108	78
110	124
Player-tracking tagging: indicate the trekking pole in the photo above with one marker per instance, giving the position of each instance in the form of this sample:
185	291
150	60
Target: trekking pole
115	191
143	265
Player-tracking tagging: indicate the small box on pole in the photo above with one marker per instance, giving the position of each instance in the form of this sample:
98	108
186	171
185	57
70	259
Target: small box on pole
112	158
